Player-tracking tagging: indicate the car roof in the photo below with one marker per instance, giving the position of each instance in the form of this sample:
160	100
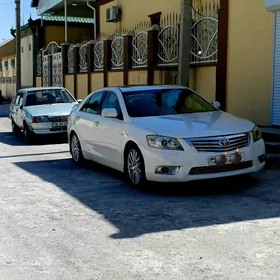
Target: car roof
40	88
131	88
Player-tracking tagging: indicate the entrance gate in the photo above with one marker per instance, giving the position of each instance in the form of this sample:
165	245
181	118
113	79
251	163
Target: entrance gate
52	65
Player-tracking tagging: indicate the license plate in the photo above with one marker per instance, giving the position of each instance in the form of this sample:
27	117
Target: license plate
59	124
212	159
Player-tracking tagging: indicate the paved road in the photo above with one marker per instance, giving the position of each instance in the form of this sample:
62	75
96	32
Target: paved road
59	222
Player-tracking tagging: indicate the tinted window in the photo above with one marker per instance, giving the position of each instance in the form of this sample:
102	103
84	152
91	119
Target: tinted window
93	104
111	101
48	96
160	102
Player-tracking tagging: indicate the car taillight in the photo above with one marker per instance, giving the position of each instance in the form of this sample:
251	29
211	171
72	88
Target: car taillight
34	119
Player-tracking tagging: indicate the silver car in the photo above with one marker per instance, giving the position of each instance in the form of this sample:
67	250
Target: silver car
40	111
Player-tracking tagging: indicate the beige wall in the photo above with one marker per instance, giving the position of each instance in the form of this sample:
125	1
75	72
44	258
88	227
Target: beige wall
249	60
133	12
75	34
115	78
137	77
69	83
27	61
96	81
82	85
38	81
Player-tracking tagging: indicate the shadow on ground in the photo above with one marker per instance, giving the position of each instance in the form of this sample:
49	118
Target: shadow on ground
11	139
160	207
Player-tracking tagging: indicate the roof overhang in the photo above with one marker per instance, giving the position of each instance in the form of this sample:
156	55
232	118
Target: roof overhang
272	5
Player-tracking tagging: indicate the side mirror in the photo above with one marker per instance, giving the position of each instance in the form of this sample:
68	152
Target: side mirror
109	113
217	104
20	107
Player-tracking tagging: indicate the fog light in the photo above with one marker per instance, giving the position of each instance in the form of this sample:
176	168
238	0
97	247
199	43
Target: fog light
220	160
235	158
167	170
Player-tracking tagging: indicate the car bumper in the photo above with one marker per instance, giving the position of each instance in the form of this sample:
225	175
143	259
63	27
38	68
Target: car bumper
46	128
194	165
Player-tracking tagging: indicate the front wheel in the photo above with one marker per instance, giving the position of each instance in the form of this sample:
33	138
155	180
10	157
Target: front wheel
135	167
76	150
15	128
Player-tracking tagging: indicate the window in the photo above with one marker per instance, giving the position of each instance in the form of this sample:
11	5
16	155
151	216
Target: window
20	99
93	104
111	101
17	98
48	96
159	102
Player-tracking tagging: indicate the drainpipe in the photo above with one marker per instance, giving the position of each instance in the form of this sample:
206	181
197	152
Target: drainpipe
94	18
65	22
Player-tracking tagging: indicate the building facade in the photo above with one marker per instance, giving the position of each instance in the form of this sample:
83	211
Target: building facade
230	57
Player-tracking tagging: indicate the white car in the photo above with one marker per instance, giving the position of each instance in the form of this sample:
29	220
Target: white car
41	111
163	134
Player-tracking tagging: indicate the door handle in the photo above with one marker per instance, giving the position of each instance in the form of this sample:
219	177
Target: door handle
96	123
77	118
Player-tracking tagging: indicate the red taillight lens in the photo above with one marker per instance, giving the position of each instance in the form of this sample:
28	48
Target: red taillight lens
34	119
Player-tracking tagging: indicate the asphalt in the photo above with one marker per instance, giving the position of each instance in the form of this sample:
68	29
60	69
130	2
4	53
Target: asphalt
61	222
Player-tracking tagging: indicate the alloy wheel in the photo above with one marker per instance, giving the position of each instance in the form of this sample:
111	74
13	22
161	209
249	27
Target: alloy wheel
135	167
75	148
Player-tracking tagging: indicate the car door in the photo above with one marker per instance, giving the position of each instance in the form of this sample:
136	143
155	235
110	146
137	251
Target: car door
20	114
15	107
108	137
85	122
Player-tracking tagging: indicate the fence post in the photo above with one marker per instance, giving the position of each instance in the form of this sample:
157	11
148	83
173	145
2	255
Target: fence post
76	68
127	59
152	52
107	59
65	47
90	57
42	67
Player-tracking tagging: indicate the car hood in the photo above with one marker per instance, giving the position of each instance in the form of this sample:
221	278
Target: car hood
51	110
195	124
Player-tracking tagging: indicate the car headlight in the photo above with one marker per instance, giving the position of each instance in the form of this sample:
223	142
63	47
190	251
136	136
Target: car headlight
257	134
42	119
164	142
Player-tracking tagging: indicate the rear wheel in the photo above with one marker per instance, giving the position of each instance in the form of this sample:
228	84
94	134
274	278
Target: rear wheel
76	150
135	167
28	135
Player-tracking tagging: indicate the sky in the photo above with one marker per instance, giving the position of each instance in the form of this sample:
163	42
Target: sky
8	19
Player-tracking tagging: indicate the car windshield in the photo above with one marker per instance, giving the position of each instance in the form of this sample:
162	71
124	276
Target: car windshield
48	96
158	102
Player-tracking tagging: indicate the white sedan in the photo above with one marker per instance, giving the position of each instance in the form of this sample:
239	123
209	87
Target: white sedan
163	134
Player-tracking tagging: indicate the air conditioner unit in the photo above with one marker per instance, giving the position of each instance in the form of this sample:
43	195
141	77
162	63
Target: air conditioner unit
113	14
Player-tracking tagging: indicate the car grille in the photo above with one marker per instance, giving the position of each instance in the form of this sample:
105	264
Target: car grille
220	168
58	118
219	143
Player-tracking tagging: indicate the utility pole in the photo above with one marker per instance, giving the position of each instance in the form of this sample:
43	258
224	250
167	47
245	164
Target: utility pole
18	46
185	43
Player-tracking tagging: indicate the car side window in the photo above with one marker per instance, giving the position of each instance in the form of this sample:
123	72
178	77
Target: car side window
20	99
93	104
111	101
17	98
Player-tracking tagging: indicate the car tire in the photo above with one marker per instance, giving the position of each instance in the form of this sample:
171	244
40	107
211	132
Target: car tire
28	135
15	128
76	150
134	167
